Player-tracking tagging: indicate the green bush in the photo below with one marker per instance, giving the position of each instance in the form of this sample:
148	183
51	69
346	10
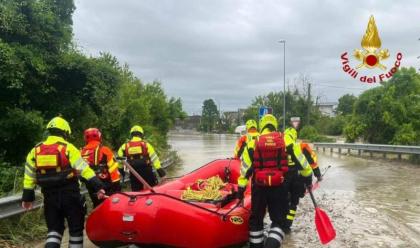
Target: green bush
405	135
11	178
331	125
310	133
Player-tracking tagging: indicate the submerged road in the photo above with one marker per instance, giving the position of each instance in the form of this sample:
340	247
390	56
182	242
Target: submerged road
372	203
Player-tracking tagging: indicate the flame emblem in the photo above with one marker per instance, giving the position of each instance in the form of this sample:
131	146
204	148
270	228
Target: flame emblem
371	55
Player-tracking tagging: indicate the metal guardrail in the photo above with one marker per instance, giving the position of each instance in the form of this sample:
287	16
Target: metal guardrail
370	148
11	205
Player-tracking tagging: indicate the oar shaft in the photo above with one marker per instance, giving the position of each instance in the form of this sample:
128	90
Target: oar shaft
137	176
312	197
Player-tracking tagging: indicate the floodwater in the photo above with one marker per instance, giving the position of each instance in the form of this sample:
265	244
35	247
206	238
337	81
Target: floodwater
372	203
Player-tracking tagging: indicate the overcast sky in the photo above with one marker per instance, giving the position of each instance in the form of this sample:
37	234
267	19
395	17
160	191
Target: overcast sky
229	51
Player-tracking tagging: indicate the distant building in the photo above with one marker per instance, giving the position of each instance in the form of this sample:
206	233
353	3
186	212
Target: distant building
190	122
328	108
231	117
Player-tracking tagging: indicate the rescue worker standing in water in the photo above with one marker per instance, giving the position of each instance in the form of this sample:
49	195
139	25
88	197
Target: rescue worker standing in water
252	133
266	160
100	159
297	180
142	157
54	165
297	188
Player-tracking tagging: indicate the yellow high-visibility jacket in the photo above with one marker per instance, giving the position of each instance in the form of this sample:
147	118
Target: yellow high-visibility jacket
241	143
152	153
73	155
296	157
247	159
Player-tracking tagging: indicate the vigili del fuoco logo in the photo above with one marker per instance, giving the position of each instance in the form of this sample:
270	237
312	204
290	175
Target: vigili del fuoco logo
370	57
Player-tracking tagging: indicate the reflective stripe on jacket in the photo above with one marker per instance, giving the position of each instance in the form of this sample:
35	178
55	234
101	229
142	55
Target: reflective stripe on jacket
150	150
72	154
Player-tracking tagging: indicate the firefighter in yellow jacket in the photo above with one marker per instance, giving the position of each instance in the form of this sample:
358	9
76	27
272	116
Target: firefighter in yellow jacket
298	180
252	133
142	157
266	160
297	188
54	165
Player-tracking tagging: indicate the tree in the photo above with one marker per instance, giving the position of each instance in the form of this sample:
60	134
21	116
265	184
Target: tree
389	113
345	104
43	75
296	105
209	116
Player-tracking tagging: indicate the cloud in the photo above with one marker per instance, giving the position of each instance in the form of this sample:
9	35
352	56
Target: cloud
229	50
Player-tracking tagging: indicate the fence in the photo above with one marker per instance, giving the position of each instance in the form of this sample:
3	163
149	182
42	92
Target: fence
384	149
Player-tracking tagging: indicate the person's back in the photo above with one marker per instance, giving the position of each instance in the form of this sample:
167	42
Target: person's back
252	134
101	159
54	165
142	156
266	161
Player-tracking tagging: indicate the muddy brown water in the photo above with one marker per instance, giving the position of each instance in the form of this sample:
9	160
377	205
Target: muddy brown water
372	203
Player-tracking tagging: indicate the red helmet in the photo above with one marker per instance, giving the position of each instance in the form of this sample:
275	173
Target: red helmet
92	134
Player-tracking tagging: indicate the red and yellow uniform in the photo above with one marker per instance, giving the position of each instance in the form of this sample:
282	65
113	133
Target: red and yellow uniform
252	134
265	159
142	157
54	165
101	160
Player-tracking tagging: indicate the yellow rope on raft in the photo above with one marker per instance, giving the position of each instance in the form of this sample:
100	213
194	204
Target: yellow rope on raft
209	189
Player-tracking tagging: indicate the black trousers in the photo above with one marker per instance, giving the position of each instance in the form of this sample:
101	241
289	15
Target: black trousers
60	205
145	171
296	191
275	199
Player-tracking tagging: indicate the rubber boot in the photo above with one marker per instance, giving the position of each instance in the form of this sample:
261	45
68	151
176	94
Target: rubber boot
256	239
53	239
275	238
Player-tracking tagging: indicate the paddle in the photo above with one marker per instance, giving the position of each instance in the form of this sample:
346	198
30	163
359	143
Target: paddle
326	231
315	186
136	175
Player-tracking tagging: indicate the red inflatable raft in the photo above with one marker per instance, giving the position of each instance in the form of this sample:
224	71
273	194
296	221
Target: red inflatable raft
163	218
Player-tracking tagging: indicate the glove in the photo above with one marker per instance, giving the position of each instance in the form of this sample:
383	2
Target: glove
308	181
241	193
161	172
317	174
96	184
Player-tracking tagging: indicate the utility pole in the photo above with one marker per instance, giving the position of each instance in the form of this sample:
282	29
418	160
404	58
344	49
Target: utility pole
309	103
284	83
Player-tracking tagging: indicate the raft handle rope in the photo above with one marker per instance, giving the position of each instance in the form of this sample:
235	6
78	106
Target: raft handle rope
227	171
172	197
240	203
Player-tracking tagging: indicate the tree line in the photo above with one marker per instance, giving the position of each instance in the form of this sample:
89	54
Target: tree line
386	114
43	74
